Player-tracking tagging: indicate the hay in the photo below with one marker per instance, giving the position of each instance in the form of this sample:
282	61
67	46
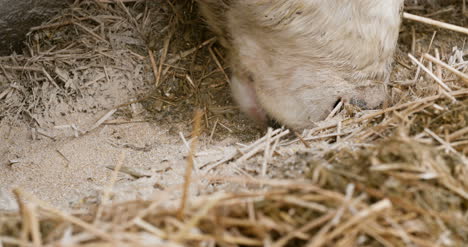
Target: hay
391	177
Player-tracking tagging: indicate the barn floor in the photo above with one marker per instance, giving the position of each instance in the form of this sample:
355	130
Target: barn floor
86	102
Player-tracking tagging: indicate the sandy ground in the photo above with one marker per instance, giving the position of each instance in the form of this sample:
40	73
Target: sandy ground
71	171
67	169
62	169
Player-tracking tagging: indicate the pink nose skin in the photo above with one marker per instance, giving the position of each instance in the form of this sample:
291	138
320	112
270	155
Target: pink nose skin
245	96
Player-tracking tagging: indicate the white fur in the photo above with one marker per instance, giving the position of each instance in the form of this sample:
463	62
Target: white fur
304	55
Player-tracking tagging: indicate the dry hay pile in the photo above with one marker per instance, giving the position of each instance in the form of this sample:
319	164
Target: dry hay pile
393	177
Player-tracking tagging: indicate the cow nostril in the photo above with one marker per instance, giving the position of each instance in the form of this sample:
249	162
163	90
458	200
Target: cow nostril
336	103
271	122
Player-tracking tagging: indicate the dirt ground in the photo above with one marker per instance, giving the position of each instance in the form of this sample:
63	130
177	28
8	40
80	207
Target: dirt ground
83	100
